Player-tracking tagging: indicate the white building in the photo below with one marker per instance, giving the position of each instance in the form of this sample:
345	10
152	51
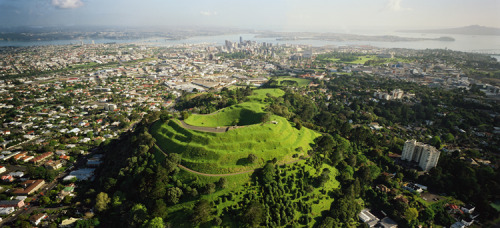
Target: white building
427	156
6	210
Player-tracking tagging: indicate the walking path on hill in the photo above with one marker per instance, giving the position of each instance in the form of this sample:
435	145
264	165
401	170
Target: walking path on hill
209	129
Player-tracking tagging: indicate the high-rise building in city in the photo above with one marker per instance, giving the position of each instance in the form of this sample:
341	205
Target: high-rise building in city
425	155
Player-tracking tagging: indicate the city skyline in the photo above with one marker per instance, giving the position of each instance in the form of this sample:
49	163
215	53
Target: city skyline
279	15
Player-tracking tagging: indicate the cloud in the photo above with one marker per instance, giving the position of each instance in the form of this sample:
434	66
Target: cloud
395	5
208	13
67	4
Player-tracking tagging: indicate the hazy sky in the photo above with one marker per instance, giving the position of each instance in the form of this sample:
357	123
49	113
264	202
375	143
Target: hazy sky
283	15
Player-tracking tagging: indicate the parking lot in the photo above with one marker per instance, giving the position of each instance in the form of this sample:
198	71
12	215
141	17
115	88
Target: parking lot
431	197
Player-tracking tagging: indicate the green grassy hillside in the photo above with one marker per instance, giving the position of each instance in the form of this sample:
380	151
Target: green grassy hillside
219	153
227	152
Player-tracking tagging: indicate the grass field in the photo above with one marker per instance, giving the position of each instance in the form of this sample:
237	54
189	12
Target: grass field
260	94
360	60
300	81
363	59
227	152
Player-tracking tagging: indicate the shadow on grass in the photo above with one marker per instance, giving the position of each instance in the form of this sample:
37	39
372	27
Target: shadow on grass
243	161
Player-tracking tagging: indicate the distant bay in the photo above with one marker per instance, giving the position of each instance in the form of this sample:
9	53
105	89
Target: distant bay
468	43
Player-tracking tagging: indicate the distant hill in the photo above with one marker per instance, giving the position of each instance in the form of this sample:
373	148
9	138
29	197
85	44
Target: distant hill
468	30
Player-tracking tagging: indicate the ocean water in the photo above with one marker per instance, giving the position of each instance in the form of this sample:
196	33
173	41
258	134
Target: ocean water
468	43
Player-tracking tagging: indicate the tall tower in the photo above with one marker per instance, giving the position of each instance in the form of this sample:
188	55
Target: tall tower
241	40
408	150
429	158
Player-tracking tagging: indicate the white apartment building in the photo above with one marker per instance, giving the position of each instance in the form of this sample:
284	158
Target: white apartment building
425	155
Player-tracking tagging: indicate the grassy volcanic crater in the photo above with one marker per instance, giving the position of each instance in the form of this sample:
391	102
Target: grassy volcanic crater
220	153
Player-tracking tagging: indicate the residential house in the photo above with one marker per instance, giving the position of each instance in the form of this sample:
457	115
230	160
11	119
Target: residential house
12	203
37	219
53	165
387	223
6	210
40	158
469	208
367	217
7	178
30	186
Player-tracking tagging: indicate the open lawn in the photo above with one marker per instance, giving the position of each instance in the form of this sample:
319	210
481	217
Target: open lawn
300	81
363	59
261	94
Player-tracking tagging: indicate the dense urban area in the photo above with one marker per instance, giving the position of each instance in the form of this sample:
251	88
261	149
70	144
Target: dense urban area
248	134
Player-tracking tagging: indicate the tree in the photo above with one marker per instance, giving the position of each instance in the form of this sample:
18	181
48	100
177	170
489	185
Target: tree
411	214
67	200
172	161
201	212
449	138
266	117
173	195
86	223
184	115
252	158
268	173
209	188
254	214
157	222
45	200
324	177
102	201
138	214
222	183
328	222
344	209
160	209
426	215
436	142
